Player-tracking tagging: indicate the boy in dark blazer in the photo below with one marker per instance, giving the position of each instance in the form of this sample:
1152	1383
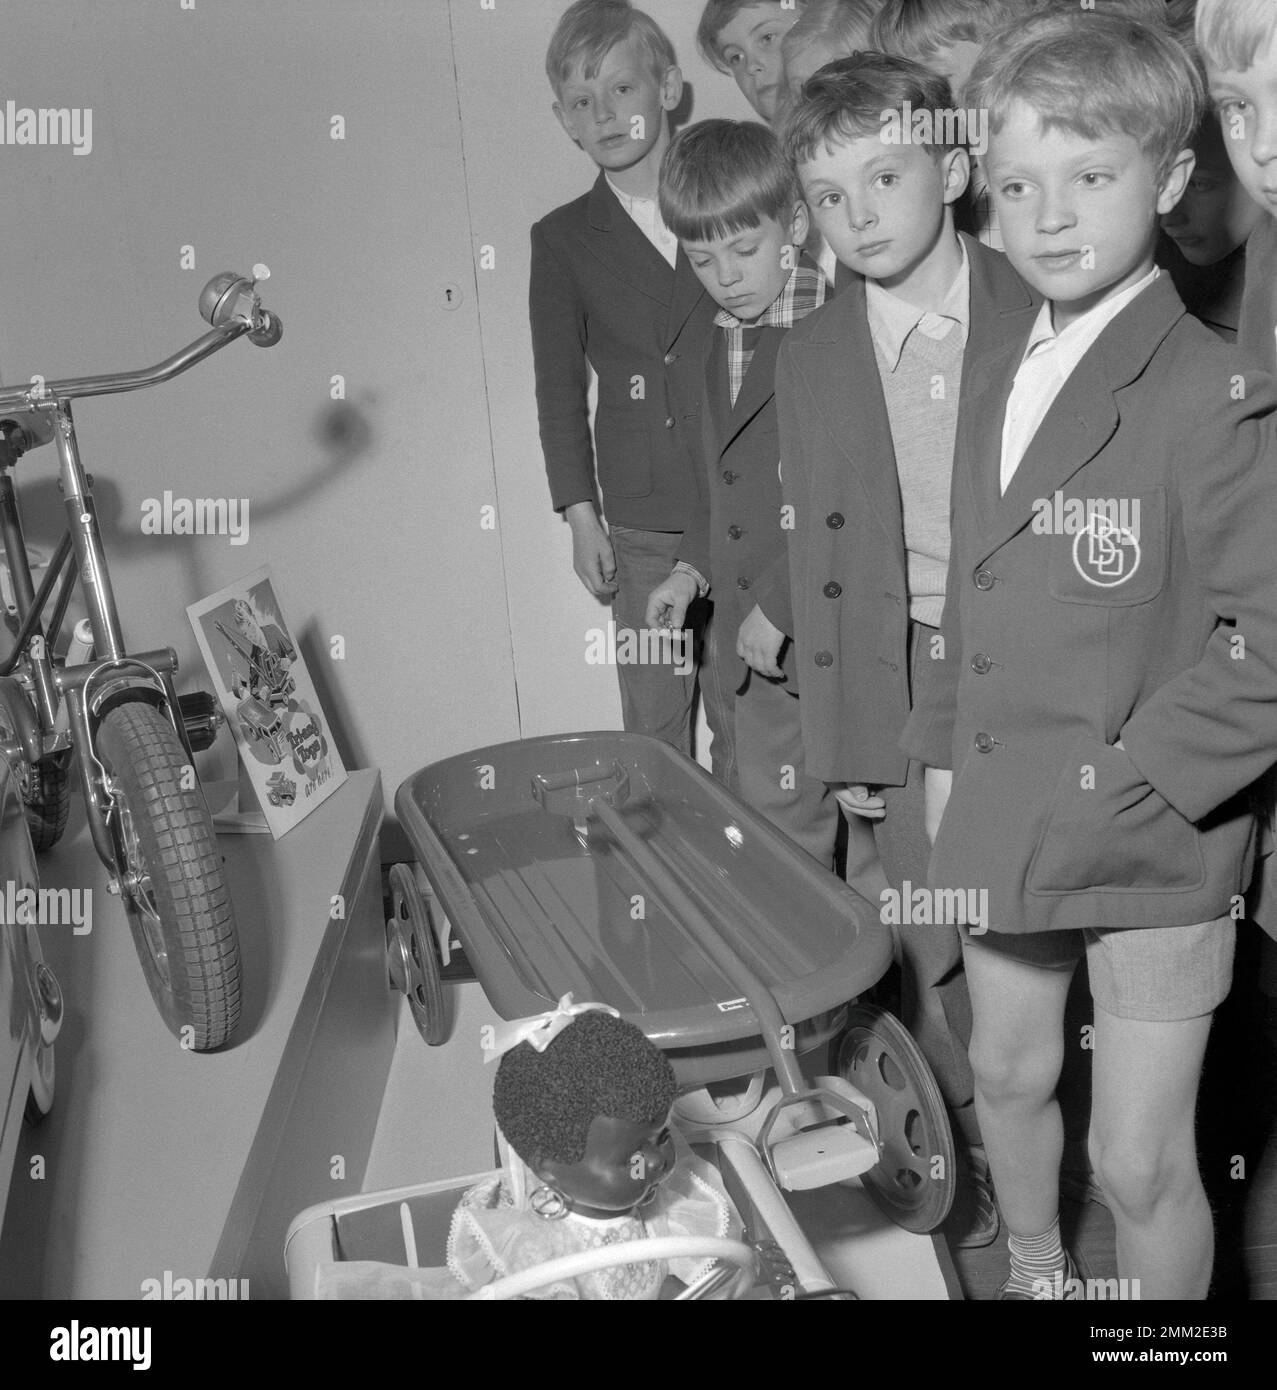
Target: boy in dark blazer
731	197
867	394
610	290
1107	693
1237	40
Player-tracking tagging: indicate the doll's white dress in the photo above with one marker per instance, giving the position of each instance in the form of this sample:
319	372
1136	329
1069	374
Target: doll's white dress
495	1233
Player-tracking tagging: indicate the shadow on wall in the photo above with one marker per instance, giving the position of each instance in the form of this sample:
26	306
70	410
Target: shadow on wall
343	433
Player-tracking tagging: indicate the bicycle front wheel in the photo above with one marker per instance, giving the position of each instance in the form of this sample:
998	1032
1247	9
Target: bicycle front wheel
171	879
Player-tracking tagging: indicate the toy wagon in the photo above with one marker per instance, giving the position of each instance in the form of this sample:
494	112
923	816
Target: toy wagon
610	866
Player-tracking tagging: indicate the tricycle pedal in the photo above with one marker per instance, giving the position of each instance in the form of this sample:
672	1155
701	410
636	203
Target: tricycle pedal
817	1157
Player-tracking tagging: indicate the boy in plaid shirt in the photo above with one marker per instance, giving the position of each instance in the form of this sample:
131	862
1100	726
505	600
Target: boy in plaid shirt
730	196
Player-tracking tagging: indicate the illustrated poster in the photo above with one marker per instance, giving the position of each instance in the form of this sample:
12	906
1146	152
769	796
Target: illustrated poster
268	697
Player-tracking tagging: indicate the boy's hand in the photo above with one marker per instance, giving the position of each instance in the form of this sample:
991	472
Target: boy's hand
592	554
937	783
758	644
857	800
667	604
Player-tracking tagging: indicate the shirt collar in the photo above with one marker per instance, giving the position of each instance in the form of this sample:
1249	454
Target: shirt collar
1072	342
805	290
628	200
892	319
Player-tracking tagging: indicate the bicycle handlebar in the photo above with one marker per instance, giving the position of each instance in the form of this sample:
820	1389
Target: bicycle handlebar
228	301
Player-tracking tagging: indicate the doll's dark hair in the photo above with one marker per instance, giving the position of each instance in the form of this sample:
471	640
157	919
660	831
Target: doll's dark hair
545	1102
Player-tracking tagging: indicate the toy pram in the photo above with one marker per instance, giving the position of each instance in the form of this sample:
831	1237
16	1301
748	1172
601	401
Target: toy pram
612	867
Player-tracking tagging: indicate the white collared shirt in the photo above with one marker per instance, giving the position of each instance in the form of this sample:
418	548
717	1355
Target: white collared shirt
645	213
1048	362
892	319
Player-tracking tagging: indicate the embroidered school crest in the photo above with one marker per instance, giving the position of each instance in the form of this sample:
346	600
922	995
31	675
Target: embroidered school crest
1104	553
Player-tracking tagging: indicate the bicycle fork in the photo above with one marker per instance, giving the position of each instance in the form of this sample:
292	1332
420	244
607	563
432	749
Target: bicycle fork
111	676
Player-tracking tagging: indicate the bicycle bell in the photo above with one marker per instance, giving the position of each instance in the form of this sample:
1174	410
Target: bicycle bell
227	297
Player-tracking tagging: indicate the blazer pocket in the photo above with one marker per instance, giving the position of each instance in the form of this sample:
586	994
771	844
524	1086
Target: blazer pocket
623	454
1108	551
1108	829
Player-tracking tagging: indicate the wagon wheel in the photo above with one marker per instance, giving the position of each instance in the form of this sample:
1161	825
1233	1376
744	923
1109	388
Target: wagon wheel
413	957
915	1177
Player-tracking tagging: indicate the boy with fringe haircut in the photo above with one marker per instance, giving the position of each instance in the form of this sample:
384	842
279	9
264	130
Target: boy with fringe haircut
1103	733
742	38
868	391
1238	43
730	196
947	35
610	290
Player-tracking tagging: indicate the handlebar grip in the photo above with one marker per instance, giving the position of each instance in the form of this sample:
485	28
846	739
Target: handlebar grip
271	331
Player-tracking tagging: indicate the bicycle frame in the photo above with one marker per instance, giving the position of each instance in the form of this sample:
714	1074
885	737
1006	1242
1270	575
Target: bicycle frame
88	689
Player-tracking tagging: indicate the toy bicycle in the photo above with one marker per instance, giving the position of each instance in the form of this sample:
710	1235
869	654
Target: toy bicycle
116	714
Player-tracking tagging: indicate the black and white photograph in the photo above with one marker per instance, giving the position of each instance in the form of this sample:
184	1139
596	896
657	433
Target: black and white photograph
738	539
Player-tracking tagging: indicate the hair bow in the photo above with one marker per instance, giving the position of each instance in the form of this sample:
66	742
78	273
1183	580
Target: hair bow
541	1029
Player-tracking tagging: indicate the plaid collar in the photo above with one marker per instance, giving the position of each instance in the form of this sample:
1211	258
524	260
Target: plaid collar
805	290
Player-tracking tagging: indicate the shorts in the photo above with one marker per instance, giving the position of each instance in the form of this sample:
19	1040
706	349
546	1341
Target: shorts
1154	974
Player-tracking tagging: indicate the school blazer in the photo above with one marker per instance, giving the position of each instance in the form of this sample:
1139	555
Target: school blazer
850	603
1060	638
737	539
1255	331
600	290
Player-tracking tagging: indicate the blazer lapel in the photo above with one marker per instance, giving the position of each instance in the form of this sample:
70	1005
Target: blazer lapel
624	250
978	447
1080	422
1003	309
717	417
1083	417
759	385
687	292
852	410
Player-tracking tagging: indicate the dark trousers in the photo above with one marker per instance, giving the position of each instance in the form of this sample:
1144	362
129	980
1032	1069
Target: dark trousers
659	698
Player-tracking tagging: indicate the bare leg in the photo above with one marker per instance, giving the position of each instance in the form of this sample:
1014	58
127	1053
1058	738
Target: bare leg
1143	1150
1017	1049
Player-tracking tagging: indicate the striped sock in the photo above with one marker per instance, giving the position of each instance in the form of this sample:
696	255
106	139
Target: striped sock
1035	1259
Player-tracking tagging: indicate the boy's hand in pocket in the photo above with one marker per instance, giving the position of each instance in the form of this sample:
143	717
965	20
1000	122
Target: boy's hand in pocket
857	800
758	644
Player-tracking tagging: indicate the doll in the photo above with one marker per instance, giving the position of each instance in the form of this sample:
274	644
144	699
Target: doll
582	1100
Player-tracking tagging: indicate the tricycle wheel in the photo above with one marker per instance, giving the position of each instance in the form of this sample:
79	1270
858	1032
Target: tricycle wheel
915	1178
413	957
170	876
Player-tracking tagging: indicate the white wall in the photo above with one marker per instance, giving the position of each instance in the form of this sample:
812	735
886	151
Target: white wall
211	128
